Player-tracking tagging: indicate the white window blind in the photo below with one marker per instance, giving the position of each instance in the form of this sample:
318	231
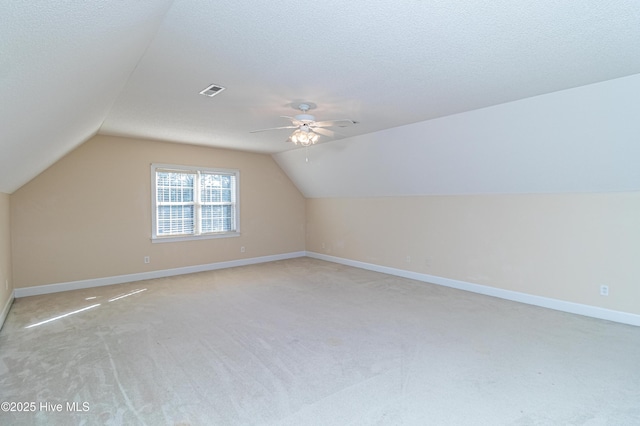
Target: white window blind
194	202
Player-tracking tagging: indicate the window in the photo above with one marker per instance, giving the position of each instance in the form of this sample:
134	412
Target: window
192	203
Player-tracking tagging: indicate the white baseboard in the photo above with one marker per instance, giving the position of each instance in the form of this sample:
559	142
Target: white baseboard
545	302
5	309
120	279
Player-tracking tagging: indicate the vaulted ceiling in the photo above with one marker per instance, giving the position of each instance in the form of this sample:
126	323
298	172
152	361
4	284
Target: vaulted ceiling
71	69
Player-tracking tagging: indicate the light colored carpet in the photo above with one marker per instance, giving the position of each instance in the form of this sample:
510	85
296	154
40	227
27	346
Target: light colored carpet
307	342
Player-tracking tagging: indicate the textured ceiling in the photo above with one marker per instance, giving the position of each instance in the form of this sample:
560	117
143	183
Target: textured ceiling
62	66
70	69
579	140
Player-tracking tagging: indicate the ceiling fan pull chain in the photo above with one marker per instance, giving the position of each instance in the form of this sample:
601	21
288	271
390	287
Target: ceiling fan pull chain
306	153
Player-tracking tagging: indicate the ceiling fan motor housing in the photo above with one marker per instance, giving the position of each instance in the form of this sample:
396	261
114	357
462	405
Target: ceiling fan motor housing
305	117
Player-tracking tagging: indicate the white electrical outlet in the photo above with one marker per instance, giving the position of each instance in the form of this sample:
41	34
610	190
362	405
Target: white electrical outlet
147	259
408	259
242	249
604	290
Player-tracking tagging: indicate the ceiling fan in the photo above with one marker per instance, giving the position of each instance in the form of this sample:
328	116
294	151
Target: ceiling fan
308	130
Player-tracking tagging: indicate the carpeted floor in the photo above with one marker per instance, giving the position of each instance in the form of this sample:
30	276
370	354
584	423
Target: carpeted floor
307	342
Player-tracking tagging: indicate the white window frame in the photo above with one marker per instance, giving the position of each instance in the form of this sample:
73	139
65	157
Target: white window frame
198	235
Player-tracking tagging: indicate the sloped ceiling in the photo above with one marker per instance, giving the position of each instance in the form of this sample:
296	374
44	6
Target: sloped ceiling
71	69
578	140
62	66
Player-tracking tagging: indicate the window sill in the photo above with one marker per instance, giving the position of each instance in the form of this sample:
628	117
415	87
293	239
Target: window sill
194	237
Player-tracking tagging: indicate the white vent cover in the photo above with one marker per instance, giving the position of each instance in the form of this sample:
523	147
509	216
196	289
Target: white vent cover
212	90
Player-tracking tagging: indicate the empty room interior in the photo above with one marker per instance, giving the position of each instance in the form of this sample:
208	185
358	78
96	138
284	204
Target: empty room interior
293	213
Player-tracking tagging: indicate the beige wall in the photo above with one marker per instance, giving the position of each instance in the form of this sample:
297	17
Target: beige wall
557	246
5	252
89	215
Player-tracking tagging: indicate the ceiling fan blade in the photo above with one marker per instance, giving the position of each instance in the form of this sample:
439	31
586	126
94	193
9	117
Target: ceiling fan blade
294	120
274	128
325	132
330	123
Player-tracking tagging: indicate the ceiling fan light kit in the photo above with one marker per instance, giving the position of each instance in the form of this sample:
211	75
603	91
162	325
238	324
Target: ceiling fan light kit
308	131
304	136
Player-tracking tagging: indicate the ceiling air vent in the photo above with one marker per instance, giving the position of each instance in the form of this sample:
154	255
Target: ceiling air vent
212	90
